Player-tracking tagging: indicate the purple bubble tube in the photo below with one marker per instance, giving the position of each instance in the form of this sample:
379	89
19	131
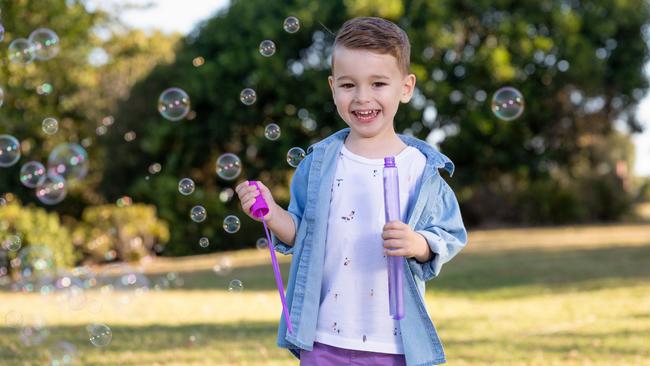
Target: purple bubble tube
259	210
395	264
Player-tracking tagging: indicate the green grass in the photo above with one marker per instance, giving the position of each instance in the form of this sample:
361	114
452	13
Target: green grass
565	296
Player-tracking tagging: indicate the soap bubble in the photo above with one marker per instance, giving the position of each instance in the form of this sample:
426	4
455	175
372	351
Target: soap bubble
174	104
12	243
235	286
198	213
291	24
295	156
231	224
37	267
100	335
267	49
248	96
46	43
204	242
223	267
21	51
50	126
52	189
228	166
262	243
62	354
272	131
507	103
32	174
9	151
186	186
2	32
69	161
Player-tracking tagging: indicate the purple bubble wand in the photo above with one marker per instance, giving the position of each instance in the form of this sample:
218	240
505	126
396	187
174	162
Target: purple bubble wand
259	210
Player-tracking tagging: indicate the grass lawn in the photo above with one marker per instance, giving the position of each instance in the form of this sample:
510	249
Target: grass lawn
557	296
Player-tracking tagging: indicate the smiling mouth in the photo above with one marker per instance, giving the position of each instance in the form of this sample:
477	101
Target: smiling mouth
366	115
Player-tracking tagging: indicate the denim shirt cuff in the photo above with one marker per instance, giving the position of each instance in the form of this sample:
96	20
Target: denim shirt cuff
431	268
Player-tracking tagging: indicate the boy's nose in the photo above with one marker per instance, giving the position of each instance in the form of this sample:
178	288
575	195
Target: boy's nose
362	96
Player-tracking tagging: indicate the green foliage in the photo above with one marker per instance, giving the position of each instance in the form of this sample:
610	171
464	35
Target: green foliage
35	226
126	233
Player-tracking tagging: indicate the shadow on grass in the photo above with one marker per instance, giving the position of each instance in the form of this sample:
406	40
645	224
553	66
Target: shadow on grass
206	344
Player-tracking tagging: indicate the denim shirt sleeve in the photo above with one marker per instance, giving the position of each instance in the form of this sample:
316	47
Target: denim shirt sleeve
297	202
443	230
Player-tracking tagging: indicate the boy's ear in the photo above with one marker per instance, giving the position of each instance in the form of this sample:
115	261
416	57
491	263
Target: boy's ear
408	87
330	81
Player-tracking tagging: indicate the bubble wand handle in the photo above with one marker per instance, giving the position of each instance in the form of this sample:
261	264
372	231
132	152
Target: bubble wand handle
395	264
259	210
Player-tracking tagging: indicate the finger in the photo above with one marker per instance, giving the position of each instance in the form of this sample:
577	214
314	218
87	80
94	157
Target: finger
241	186
392	234
396	253
393	244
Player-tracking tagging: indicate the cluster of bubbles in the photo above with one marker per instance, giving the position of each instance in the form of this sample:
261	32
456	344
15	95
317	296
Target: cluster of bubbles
42	44
67	161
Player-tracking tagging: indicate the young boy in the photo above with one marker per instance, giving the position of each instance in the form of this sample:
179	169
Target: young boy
335	227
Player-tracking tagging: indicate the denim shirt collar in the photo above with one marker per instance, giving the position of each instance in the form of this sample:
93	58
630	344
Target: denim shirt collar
435	159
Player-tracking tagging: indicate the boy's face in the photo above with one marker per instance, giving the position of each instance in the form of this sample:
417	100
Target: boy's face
367	88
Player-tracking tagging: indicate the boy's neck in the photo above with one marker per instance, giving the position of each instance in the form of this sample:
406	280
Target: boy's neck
374	148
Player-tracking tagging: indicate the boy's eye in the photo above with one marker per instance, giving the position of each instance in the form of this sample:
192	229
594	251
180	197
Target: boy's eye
379	84
347	85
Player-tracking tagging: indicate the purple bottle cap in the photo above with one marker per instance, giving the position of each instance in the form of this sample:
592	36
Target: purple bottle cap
259	208
389	162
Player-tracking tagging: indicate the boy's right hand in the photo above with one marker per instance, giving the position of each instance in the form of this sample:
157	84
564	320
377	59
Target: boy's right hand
247	194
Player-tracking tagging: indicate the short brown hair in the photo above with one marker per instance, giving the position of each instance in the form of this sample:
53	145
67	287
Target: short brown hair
376	34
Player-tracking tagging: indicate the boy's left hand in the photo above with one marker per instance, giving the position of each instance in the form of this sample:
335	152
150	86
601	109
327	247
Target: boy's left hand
401	240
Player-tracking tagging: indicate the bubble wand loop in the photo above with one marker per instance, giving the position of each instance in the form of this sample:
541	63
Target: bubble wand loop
259	210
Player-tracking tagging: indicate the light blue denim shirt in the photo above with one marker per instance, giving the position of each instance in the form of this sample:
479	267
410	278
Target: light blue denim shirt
433	212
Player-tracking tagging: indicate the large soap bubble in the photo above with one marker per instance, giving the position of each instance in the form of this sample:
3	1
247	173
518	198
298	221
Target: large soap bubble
507	103
9	151
69	161
32	173
21	51
52	189
45	42
228	166
174	104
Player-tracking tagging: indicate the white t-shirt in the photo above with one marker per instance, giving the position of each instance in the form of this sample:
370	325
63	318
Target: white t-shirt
354	310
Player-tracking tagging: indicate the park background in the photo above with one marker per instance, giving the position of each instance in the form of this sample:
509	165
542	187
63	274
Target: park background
556	202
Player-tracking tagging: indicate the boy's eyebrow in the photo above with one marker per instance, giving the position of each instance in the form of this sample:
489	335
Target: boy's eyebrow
371	76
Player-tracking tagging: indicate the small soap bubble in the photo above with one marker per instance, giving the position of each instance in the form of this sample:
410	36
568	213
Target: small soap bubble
52	189
267	48
204	242
100	335
231	224
291	24
174	104
272	131
507	103
248	96
295	156
154	168
9	151
262	243
186	186
21	51
228	166
226	194
198	213
44	89
223	267
128	136
32	174
198	61
12	243
50	126
2	32
235	286
46	43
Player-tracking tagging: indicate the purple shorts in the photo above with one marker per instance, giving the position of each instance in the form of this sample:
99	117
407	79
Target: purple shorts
325	355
